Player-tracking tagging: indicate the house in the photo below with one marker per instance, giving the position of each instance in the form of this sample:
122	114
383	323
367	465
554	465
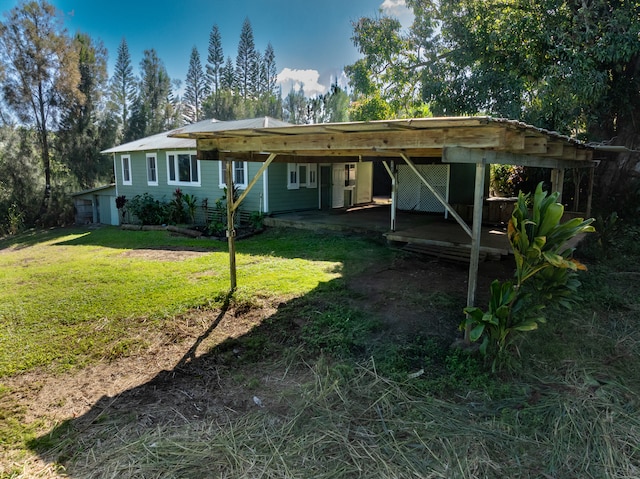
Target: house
161	163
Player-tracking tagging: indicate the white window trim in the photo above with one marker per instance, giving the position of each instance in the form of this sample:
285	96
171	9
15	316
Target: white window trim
222	180
175	159
312	171
122	161
155	159
307	181
293	168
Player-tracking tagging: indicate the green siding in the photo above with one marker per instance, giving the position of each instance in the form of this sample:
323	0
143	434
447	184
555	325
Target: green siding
209	180
280	199
283	199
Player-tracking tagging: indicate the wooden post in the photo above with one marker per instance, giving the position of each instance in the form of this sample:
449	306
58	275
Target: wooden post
438	196
557	182
231	231
476	235
592	173
394	192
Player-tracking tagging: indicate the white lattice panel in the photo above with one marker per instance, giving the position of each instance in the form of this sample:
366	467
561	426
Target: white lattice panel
413	195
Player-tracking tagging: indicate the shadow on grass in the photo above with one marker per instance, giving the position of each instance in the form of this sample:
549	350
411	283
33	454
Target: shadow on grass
265	371
233	378
33	237
384	300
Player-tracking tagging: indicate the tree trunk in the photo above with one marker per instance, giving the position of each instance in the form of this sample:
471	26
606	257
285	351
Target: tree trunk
46	163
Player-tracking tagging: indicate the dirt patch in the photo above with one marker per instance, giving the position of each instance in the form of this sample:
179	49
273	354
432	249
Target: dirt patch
165	254
419	295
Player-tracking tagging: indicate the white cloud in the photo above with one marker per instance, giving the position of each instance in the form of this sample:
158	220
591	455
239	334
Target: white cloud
398	9
291	79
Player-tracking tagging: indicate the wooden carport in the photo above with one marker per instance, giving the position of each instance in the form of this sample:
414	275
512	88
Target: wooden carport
476	140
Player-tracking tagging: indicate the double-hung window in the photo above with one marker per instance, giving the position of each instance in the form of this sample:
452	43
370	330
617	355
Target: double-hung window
293	181
240	174
126	170
183	168
302	175
152	169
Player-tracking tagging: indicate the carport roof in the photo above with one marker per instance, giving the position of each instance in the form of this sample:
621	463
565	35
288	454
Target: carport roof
454	139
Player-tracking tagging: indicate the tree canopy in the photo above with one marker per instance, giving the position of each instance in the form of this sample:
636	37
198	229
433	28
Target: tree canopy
41	72
568	66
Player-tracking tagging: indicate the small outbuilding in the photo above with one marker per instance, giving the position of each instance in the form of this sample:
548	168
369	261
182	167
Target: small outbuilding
96	206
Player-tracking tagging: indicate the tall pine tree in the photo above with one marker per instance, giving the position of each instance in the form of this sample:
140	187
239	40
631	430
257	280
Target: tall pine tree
84	129
268	71
122	91
155	91
228	78
246	63
196	88
215	60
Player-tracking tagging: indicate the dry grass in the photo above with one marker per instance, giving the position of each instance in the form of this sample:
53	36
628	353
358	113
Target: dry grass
366	426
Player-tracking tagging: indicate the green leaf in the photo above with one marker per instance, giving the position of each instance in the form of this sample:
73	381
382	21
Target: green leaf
526	326
476	332
483	346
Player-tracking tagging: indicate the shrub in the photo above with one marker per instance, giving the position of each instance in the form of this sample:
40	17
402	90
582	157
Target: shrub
544	264
148	210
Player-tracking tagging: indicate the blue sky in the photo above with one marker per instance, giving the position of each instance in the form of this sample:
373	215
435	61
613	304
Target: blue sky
311	40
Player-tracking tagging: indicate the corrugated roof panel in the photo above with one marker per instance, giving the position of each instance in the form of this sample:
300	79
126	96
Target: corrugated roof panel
231	126
161	141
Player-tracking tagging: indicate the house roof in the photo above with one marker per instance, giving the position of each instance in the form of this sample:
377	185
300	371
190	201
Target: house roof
167	140
513	141
95	190
214	127
160	141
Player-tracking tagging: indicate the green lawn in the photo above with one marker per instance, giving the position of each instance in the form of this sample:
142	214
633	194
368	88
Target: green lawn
58	288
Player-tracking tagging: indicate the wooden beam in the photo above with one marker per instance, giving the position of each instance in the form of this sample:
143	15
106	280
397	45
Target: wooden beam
478	201
438	196
208	155
557	182
471	155
253	181
535	145
488	136
391	170
515	140
231	231
592	173
555	148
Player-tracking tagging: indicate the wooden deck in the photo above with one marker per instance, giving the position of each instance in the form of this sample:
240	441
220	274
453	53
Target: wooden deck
426	233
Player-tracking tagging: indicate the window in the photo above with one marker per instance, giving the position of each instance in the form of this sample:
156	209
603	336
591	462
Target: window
292	176
312	176
126	170
152	170
349	174
239	174
302	175
183	168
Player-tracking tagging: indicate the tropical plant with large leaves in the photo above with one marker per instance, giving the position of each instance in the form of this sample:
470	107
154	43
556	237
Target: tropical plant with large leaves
545	274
